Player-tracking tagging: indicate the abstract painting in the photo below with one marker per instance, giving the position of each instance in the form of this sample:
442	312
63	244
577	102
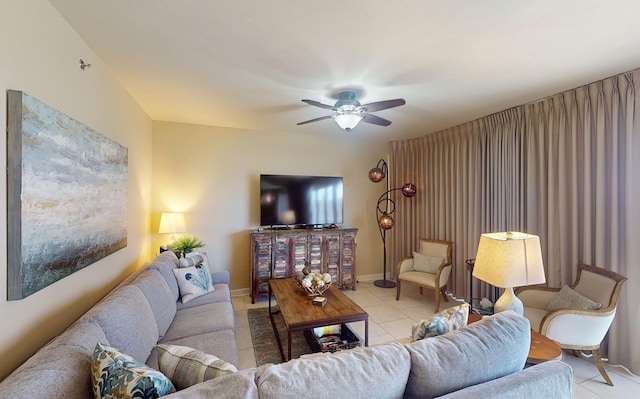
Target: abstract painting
67	195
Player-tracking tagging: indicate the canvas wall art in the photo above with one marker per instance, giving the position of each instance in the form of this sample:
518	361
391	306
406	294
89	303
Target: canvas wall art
67	195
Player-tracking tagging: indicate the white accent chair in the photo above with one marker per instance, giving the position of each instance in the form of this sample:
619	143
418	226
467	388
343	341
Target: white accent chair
437	281
579	330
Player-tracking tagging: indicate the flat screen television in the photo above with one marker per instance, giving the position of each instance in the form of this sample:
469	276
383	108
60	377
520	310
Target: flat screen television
300	201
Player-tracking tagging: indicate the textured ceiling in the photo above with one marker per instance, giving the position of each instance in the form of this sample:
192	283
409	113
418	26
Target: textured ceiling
248	63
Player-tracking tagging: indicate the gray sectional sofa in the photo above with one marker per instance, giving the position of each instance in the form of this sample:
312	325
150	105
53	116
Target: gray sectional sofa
482	360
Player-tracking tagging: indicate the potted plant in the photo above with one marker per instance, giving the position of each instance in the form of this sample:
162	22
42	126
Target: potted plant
185	244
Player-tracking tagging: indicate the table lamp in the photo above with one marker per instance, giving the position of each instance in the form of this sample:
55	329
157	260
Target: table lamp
507	260
171	223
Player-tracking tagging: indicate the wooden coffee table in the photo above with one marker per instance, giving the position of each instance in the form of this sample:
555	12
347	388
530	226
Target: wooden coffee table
300	314
541	348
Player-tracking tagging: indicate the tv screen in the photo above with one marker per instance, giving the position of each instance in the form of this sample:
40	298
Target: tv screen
287	200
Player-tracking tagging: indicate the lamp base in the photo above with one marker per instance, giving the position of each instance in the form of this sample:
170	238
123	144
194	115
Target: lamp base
509	301
384	283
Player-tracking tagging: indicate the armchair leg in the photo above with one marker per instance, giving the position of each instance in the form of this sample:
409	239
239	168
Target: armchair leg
397	289
437	301
600	366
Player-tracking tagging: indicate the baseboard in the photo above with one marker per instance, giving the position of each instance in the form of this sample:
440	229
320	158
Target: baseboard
241	292
373	277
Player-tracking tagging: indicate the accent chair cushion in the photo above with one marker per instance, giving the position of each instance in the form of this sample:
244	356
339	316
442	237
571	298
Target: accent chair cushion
193	281
186	366
567	298
448	320
426	263
115	375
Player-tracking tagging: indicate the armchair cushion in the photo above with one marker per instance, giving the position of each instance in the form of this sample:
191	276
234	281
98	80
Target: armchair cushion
568	298
425	263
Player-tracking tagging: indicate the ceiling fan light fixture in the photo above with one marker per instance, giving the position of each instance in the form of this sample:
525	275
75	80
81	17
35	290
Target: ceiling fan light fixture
347	121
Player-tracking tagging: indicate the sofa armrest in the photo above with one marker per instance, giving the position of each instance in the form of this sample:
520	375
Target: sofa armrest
221	278
552	379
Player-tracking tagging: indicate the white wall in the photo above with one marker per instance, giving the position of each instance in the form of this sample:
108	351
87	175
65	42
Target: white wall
39	55
212	174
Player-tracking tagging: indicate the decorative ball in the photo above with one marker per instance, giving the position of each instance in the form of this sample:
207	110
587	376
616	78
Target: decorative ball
326	278
320	283
306	282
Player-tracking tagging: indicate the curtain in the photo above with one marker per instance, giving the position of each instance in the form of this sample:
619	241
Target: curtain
566	168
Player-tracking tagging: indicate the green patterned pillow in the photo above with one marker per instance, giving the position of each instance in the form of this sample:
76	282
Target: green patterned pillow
115	375
448	320
193	281
187	366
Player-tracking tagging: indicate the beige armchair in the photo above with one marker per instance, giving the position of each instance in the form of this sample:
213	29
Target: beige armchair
435	279
579	330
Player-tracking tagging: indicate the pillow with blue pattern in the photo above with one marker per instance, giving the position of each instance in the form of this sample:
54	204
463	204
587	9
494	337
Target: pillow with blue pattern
193	281
115	375
449	319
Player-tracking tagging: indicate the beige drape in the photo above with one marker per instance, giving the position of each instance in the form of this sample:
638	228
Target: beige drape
566	168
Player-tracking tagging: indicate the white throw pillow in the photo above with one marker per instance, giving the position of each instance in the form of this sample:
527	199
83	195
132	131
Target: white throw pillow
426	263
193	281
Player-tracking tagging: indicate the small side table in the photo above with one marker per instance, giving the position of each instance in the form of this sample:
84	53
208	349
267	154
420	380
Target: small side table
542	349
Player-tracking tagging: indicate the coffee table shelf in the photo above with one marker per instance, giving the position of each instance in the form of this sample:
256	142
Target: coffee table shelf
299	313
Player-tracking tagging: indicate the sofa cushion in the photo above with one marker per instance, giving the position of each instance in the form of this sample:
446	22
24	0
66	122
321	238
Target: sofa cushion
221	293
194	281
567	298
165	263
127	321
158	293
201	319
186	366
552	379
449	319
63	371
372	372
485	350
115	375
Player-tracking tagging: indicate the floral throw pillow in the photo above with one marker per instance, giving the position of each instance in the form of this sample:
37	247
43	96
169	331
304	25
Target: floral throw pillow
193	281
448	320
115	375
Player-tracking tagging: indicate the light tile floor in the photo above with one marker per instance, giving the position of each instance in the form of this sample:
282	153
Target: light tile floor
391	320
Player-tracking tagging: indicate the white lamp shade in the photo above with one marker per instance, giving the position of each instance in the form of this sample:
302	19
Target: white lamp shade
509	260
347	121
172	222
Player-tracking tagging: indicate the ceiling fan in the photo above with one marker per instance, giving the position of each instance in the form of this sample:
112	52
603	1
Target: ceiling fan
348	111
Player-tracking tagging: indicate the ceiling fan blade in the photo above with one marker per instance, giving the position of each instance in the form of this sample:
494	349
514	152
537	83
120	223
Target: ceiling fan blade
315	120
318	104
380	105
376	120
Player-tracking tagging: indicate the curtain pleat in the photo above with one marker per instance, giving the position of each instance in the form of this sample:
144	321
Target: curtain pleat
565	168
